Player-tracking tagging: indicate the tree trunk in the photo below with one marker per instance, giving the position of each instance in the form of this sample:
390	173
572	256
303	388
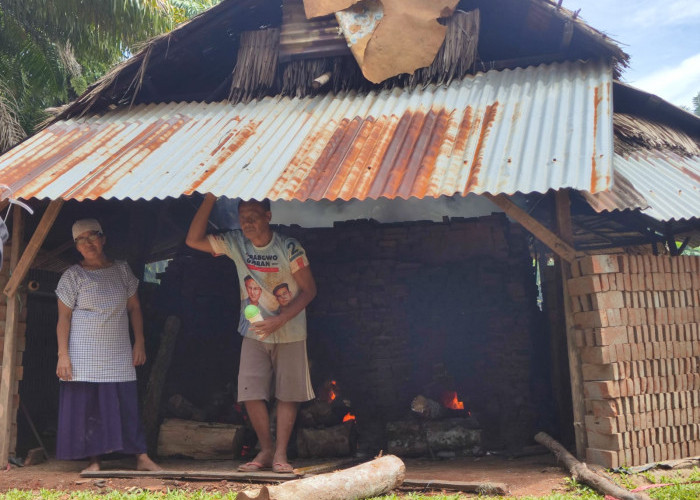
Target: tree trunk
370	479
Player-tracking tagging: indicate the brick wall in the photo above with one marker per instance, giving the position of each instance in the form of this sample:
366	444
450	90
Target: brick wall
636	320
396	300
22	328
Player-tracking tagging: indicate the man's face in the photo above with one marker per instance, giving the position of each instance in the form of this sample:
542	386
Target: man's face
284	296
254	291
254	220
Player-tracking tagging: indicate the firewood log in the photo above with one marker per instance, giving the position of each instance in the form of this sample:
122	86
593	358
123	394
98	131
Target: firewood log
367	480
337	441
412	438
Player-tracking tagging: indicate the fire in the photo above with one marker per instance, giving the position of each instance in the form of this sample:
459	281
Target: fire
331	391
450	401
349	416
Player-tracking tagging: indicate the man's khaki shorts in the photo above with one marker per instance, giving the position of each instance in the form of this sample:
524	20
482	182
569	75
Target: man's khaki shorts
289	365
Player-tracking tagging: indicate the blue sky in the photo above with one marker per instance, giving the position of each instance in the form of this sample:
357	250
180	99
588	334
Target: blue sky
661	36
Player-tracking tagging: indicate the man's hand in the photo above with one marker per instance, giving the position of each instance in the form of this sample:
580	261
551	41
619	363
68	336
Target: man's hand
139	353
64	370
267	327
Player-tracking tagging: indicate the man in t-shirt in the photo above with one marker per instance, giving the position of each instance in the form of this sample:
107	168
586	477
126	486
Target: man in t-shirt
276	346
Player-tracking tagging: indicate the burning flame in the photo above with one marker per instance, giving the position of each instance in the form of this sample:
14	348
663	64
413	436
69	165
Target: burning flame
348	417
331	391
450	401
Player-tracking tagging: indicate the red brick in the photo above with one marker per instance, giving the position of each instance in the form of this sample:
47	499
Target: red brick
584	285
608	300
601	390
611	335
598	264
605	441
606	407
600	372
604	458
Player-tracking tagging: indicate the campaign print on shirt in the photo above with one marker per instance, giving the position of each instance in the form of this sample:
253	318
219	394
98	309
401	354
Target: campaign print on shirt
266	279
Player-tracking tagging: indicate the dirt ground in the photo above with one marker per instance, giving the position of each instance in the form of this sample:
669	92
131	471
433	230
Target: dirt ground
535	475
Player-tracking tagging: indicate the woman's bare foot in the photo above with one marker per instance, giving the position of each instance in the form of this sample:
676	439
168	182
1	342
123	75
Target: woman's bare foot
93	466
144	462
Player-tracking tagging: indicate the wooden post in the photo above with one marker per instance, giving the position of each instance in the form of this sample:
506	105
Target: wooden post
564	228
159	372
20	272
9	358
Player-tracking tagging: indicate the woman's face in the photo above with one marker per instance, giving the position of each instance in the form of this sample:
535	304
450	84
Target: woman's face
90	244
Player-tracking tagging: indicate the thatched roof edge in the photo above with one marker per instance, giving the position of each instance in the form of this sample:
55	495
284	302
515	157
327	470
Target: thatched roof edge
133	69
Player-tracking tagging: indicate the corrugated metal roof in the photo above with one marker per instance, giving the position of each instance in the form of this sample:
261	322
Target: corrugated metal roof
527	129
665	185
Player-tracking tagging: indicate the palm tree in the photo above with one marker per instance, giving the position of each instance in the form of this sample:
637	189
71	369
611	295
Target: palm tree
51	51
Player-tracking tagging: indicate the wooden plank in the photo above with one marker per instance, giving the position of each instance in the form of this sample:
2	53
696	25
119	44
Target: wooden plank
483	487
20	272
200	475
564	227
9	354
542	233
325	467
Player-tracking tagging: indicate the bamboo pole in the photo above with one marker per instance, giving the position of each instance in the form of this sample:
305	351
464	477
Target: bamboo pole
9	358
564	227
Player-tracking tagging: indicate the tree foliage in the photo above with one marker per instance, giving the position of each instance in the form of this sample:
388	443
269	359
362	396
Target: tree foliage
696	104
50	51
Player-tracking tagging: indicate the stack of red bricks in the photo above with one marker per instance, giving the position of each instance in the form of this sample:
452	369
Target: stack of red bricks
636	320
20	343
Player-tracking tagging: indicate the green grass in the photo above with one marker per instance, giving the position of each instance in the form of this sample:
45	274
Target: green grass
682	488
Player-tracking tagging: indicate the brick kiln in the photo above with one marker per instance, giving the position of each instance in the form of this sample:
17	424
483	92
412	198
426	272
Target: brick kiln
403	310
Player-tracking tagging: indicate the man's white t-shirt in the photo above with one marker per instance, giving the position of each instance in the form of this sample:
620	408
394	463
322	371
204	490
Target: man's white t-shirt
270	266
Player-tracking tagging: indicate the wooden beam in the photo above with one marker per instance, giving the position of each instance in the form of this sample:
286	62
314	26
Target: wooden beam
9	355
542	233
20	272
202	475
565	229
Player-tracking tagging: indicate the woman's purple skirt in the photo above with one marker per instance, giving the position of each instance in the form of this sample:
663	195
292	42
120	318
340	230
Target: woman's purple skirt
95	418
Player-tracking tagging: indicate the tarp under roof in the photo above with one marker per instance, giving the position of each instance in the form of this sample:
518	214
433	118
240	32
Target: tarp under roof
527	129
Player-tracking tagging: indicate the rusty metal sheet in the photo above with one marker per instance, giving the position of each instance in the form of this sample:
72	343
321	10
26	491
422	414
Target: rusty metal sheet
527	129
663	185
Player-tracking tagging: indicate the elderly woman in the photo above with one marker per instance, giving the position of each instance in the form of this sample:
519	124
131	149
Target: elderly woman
98	403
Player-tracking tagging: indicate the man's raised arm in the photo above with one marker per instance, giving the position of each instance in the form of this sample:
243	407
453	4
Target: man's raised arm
197	234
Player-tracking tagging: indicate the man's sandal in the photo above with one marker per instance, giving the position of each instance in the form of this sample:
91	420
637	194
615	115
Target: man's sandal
282	468
253	466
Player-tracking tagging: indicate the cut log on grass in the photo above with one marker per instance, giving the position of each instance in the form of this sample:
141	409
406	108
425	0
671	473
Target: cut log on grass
197	439
370	479
580	472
